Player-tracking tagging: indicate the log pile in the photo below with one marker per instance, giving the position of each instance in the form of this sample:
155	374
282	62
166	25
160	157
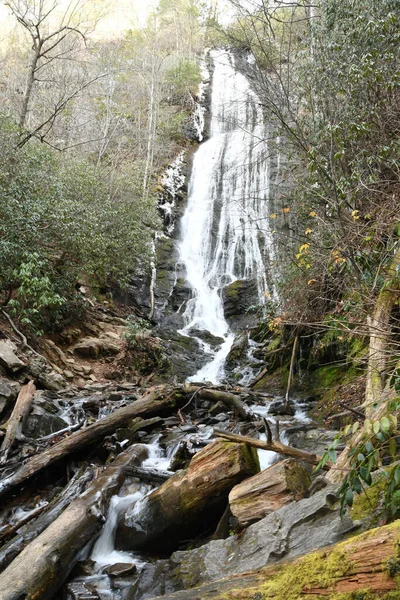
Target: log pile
49	538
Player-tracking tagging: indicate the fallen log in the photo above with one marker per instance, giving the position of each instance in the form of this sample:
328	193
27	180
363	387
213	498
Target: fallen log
363	567
17	419
157	400
150	475
275	446
190	502
52	511
40	569
256	497
230	400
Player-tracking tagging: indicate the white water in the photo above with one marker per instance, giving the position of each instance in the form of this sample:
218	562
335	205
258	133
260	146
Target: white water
225	228
104	552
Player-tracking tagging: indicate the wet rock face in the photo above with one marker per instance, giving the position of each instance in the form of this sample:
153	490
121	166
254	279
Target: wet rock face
183	352
44	417
294	529
237	298
280	408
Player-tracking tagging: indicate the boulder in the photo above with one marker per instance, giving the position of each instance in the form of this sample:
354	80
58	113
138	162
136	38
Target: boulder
237	298
8	393
315	440
44	417
279	408
188	503
238	351
269	490
9	358
294	529
93	347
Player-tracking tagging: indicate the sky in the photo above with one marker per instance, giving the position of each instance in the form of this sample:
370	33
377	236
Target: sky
121	15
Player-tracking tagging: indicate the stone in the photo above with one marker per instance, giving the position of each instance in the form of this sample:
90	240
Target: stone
121	569
93	347
279	408
238	351
237	298
9	358
42	422
294	529
315	440
264	493
52	380
68	374
8	393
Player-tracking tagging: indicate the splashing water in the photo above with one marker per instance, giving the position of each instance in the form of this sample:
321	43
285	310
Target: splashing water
225	228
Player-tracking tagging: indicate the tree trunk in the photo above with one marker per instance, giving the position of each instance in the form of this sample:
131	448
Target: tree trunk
363	567
379	332
190	502
76	486
17	419
230	400
278	447
40	569
152	404
269	490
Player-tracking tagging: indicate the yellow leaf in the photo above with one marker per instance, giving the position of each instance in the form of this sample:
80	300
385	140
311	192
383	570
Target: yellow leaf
273	216
310	281
355	214
308	230
313	213
286	209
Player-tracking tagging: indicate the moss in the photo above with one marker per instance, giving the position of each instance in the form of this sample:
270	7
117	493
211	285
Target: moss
291	581
328	375
367	503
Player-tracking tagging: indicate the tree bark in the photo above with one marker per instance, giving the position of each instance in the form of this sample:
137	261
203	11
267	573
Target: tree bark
40	569
269	490
190	502
308	457
158	400
17	419
230	400
379	332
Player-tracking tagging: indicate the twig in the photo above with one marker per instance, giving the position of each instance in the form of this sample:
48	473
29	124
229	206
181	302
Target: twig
296	340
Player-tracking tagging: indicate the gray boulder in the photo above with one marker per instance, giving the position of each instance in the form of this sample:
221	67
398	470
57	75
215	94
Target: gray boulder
8	393
9	358
44	417
294	529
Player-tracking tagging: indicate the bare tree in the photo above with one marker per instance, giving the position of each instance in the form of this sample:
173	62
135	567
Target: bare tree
56	71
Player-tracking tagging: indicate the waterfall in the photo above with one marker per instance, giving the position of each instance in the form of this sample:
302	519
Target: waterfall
225	228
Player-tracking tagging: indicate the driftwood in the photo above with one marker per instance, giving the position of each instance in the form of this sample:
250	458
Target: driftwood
40	569
190	502
150	405
52	511
228	398
17	419
275	446
257	496
363	567
147	474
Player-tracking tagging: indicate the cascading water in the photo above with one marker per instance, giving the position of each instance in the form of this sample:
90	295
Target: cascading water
225	228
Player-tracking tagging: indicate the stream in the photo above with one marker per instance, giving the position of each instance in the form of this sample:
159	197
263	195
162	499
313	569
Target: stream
225	237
